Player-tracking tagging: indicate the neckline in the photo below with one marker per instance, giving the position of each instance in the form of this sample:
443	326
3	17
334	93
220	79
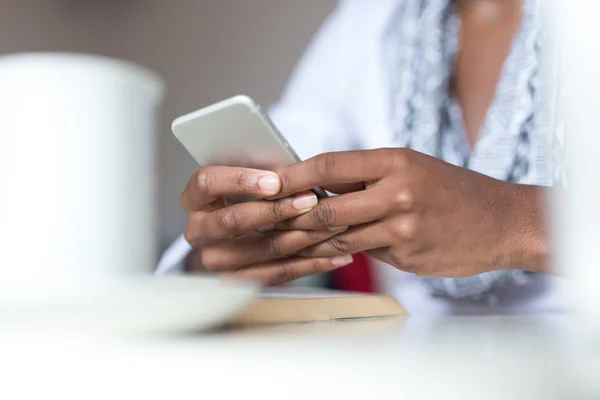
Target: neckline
456	117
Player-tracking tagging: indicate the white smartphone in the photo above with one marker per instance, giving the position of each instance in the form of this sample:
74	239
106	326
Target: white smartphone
235	132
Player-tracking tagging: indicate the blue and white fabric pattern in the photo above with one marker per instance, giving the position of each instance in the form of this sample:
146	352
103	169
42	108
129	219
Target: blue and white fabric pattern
422	46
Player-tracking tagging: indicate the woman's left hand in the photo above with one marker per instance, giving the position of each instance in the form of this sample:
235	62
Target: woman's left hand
418	213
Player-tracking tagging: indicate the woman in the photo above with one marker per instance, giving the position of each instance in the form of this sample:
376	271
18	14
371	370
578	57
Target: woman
448	95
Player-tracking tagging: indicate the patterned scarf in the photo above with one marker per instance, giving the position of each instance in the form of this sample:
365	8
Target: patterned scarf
422	46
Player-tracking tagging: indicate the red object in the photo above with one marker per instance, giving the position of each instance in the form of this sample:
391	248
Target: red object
356	277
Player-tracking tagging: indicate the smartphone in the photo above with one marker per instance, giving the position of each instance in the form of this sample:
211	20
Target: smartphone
235	132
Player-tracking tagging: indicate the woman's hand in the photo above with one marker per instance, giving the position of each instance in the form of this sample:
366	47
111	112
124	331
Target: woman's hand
227	239
418	213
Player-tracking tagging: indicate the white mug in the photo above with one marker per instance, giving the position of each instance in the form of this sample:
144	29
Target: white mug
77	172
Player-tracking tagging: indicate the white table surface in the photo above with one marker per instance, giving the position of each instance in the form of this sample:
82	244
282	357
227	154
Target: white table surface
458	357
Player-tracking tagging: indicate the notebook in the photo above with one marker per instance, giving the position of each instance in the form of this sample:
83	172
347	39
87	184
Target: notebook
300	304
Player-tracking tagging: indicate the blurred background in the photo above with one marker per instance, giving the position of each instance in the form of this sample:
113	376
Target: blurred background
206	50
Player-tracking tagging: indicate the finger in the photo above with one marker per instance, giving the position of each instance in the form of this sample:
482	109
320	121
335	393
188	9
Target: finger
252	249
354	240
382	254
245	217
345	187
266	228
344	210
282	271
210	183
335	168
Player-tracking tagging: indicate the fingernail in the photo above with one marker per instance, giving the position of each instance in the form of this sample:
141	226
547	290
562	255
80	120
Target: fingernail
305	202
269	183
341	261
338	229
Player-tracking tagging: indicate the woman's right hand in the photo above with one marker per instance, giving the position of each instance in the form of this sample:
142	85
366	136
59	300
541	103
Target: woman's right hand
238	239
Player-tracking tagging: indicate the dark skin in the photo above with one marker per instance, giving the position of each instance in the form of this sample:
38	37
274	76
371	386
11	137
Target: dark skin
228	238
420	214
412	211
484	46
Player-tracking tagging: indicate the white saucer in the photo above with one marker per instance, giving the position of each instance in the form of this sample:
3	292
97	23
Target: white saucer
169	304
